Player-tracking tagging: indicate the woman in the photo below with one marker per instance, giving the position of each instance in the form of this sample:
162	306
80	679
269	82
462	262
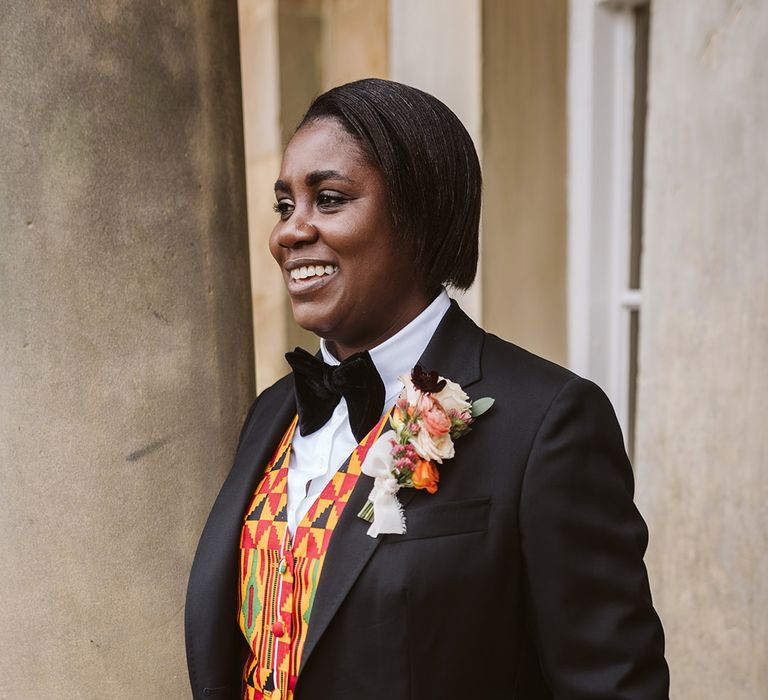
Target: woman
518	570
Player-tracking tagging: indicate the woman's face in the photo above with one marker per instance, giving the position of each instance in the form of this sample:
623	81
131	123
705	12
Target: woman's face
349	280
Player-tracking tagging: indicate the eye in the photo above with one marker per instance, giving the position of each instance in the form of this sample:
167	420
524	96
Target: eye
330	200
284	207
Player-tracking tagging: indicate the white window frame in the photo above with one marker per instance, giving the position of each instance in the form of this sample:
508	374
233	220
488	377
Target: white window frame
601	76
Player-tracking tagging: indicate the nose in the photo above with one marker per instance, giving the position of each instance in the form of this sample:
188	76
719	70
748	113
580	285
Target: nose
292	235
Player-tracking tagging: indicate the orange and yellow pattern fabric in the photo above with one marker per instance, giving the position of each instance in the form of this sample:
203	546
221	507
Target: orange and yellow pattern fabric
279	573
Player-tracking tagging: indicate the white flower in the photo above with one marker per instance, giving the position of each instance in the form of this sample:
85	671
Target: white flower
452	397
412	394
436	447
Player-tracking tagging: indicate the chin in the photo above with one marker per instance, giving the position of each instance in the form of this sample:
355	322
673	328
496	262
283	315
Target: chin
313	317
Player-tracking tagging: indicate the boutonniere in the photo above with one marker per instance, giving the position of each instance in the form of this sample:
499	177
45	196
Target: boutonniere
430	415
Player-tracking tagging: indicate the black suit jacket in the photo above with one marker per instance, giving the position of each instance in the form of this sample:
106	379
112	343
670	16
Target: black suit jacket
522	577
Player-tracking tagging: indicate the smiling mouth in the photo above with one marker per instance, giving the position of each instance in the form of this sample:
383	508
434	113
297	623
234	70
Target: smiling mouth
312	272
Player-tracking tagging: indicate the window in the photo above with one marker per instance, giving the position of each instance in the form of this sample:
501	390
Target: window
607	88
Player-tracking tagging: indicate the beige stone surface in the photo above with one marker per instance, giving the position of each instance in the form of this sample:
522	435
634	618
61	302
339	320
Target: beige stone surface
355	40
125	333
524	164
263	147
702	460
300	29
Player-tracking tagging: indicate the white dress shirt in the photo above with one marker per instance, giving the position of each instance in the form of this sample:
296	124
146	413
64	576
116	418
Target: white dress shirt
316	457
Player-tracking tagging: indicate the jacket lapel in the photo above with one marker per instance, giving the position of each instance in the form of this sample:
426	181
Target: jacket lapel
454	352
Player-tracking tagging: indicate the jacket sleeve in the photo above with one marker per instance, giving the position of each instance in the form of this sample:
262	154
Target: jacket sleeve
588	598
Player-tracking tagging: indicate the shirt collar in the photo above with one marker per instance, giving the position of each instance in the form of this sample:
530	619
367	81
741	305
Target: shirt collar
397	355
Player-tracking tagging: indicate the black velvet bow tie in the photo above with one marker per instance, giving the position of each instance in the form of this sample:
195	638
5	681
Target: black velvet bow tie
319	388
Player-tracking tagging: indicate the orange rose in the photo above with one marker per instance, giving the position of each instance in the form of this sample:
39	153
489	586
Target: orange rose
425	476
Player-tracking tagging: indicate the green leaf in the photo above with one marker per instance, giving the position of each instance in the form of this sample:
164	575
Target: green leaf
481	406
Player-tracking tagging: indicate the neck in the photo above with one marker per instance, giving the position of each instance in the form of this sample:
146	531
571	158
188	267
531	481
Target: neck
342	349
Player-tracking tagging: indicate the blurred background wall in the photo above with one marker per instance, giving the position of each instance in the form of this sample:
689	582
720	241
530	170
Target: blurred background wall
624	234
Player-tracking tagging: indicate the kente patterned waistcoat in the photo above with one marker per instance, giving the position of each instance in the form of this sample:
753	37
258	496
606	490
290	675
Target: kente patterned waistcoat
279	574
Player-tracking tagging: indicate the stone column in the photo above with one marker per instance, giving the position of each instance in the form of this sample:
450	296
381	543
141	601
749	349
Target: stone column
125	332
702	464
260	64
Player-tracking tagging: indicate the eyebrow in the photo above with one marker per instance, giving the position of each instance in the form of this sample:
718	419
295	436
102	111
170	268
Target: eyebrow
313	178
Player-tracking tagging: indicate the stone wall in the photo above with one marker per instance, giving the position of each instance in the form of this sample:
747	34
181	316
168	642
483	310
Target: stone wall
125	332
702	465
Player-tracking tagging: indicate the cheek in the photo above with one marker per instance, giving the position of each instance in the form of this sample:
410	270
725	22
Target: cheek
391	263
376	266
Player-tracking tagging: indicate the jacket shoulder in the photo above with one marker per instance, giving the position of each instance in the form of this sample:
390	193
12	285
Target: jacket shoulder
510	365
265	402
528	388
277	390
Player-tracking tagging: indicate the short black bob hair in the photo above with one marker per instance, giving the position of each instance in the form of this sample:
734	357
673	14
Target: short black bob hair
430	167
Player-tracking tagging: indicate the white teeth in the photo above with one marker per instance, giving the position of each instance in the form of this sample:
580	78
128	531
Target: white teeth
301	273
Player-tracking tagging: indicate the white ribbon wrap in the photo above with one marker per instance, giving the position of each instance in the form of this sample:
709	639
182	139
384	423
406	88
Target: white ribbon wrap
388	518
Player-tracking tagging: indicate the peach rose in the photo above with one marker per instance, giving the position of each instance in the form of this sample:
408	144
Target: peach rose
436	420
425	476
